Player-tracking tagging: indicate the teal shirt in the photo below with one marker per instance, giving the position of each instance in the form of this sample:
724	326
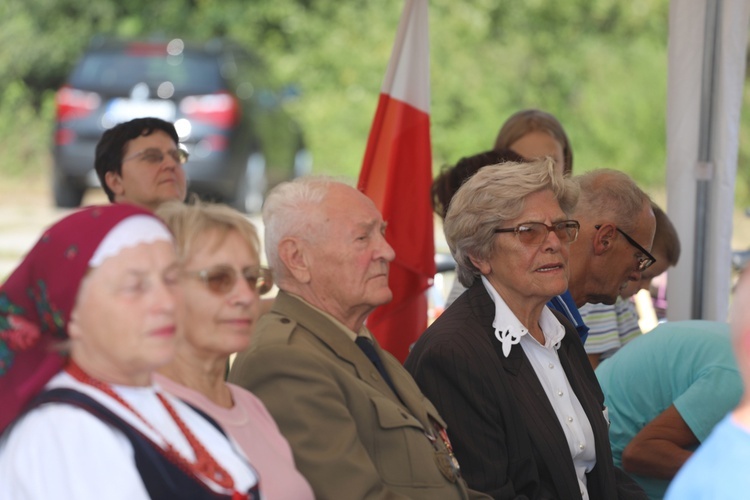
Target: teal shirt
687	363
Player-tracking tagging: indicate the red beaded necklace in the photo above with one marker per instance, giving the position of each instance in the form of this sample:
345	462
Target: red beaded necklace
205	465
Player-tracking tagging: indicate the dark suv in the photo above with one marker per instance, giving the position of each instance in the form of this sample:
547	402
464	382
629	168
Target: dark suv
240	139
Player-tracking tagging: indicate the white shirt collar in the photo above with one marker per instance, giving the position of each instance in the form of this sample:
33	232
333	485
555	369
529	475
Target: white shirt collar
509	330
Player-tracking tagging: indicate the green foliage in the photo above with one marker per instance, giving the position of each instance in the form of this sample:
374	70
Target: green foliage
24	130
742	185
599	65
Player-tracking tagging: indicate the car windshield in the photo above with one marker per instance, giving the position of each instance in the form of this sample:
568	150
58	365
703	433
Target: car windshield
119	72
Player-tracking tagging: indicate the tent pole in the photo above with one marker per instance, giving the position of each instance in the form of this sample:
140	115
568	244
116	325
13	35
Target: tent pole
704	168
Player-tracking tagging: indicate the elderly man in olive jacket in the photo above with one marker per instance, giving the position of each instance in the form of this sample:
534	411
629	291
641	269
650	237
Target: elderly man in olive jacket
357	423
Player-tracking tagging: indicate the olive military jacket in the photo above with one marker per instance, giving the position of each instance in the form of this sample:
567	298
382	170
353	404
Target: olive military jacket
351	435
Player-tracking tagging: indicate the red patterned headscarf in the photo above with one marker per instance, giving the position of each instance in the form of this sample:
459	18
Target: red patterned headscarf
37	299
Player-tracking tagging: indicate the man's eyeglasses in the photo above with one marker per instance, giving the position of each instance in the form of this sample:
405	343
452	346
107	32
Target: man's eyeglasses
534	233
646	260
155	156
222	278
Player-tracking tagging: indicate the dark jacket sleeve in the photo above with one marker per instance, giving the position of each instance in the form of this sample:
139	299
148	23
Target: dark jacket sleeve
446	370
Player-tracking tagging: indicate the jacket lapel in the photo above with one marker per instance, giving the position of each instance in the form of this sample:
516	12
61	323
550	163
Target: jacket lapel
337	341
545	432
601	478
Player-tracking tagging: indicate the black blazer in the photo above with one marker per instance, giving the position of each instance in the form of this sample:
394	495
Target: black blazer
503	428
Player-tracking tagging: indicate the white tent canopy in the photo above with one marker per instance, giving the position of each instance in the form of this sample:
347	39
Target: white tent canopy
706	75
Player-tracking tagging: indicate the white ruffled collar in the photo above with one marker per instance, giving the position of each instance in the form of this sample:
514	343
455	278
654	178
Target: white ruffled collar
509	330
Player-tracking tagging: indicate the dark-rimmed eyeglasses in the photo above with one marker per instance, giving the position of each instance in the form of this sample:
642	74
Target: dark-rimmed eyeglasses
156	156
222	278
646	260
534	233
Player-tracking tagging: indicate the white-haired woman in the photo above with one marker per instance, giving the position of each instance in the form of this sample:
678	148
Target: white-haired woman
510	377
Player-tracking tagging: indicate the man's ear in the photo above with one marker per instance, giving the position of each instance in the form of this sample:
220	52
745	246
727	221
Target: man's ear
114	183
292	253
481	264
604	238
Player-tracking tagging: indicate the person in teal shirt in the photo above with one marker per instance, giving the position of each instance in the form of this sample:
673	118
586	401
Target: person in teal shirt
665	391
719	468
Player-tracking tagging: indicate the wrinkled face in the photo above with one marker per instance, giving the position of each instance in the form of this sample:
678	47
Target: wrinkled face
538	144
214	323
350	258
529	274
621	263
144	180
659	267
122	326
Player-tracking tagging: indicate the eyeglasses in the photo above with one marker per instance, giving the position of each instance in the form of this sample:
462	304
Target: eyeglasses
644	261
222	278
155	156
534	233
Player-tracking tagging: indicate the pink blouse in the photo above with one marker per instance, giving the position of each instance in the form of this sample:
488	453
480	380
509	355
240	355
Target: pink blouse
250	424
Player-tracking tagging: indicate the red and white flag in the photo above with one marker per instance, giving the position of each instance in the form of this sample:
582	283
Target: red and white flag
397	175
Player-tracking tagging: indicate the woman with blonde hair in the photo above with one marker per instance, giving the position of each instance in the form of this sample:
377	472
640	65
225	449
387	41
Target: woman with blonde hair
218	252
534	134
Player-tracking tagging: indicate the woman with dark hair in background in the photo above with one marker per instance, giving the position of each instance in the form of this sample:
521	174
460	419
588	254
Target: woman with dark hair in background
452	177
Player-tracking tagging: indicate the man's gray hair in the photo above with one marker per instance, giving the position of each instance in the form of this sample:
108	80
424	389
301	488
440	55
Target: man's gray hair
492	196
291	209
610	194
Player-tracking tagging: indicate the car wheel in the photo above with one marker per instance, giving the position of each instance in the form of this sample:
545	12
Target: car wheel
252	185
67	194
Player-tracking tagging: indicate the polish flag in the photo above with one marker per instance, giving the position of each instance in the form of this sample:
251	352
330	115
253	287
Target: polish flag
397	175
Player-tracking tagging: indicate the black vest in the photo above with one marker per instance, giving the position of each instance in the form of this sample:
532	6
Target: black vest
163	478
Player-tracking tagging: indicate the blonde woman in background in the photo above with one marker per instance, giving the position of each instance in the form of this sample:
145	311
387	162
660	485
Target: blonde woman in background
221	284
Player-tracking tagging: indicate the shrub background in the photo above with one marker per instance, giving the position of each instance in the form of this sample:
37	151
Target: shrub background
599	65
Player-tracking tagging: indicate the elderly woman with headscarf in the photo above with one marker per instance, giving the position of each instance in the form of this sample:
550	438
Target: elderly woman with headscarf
86	422
524	411
221	283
